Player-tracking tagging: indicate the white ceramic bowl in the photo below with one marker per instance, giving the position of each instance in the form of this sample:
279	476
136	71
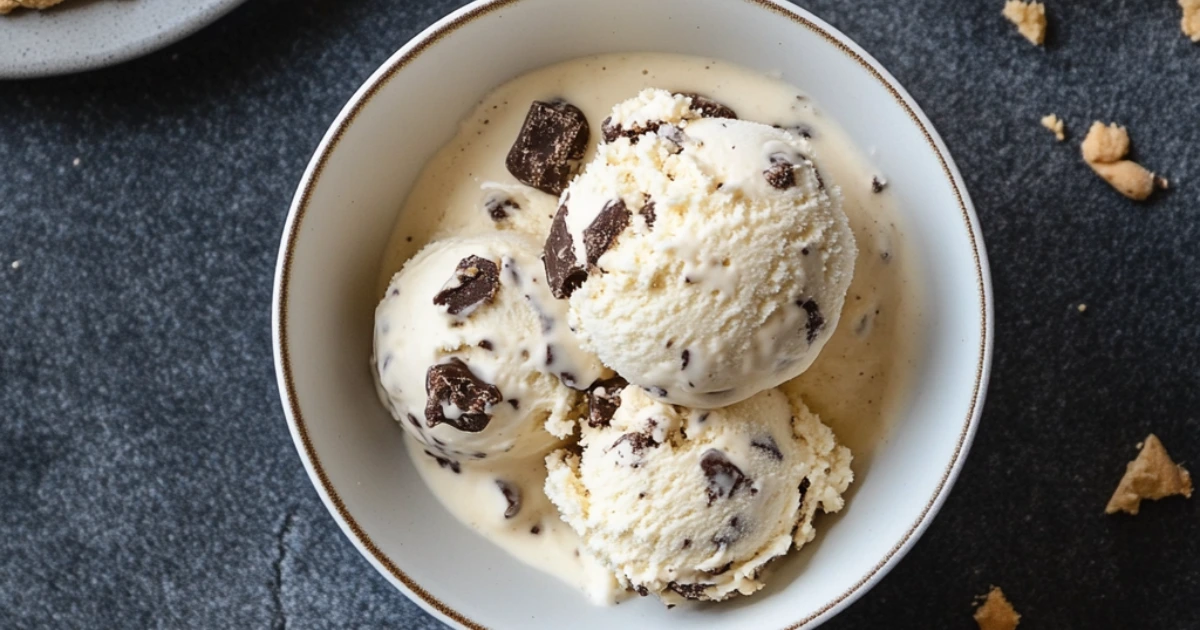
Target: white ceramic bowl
348	200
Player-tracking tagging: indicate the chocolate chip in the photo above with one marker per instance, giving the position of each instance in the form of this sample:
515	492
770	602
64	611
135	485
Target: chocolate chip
563	272
452	384
486	345
689	591
446	463
648	213
724	477
612	130
799	129
781	174
549	355
804	485
516	404
549	146
535	530
656	391
475	282
768	445
708	108
687	542
603	399
638	442
600	236
642	590
687	358
816	321
500	206
512	494
878	184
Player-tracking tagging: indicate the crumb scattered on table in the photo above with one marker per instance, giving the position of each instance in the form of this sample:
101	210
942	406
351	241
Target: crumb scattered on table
16	264
1104	150
75	162
1056	125
1081	308
1191	19
996	613
1153	475
1030	18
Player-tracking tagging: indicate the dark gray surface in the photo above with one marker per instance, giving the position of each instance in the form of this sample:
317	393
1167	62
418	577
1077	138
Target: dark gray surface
147	478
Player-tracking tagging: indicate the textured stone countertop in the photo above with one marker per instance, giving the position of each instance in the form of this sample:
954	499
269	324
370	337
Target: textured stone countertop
147	478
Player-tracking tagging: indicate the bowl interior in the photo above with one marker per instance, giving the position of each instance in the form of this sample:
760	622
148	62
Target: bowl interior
347	204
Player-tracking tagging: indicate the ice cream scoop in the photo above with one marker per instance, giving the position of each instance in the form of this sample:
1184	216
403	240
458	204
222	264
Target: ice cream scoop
692	504
704	259
473	354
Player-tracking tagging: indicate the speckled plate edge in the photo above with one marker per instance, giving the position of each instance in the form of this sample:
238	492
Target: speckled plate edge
424	41
136	43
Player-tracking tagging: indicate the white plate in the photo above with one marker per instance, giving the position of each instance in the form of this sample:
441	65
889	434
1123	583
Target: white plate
85	34
344	210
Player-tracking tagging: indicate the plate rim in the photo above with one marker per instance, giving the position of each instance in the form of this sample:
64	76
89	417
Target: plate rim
427	39
150	42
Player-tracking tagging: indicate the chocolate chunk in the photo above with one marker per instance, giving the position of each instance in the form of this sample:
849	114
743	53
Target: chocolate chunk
782	173
603	399
512	494
475	282
563	272
516	404
452	384
804	485
446	463
689	591
600	236
687	358
648	213
724	477
878	184
486	345
708	108
642	590
612	130
687	542
549	356
768	445
500	206
535	530
548	149
816	321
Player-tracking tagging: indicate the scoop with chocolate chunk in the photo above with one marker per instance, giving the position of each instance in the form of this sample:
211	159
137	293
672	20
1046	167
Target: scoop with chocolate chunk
720	497
471	342
709	237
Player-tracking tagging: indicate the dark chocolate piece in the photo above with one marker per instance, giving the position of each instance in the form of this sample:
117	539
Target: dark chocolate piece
564	274
603	399
642	590
804	484
549	146
475	282
878	184
602	234
687	358
768	445
453	384
648	213
816	321
724	477
689	591
446	463
708	108
782	173
612	130
638	442
512	494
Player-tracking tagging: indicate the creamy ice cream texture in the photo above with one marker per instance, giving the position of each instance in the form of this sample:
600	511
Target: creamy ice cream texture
704	259
472	352
692	504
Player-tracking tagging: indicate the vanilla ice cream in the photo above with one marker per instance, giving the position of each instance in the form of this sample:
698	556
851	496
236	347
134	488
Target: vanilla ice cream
472	352
692	504
704	259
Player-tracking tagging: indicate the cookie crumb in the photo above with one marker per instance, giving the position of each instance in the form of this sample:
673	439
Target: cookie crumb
996	613
1104	150
1030	19
1153	475
1081	308
16	264
1056	125
1191	19
75	162
8	5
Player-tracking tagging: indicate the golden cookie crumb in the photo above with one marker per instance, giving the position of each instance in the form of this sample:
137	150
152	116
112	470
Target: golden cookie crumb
1153	475
1030	18
996	613
1191	19
7	6
1081	308
1104	150
1056	125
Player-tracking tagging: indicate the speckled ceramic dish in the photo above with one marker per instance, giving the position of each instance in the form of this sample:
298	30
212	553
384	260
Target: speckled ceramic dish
348	200
86	34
